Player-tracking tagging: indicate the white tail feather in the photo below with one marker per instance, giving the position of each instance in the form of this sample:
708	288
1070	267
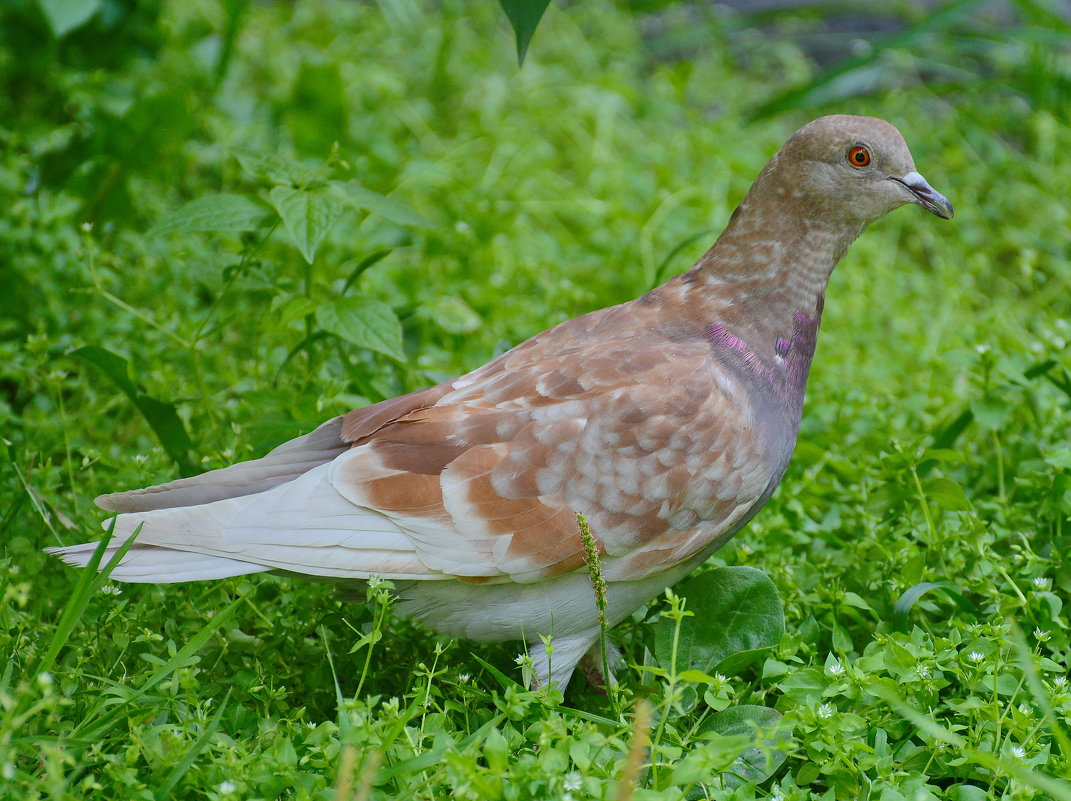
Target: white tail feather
303	526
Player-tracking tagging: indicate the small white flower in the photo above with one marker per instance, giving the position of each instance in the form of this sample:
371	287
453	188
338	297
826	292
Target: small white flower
572	780
227	787
1040	635
44	679
464	678
1018	752
922	671
835	669
981	349
1041	583
825	711
976	656
1060	681
14	569
110	589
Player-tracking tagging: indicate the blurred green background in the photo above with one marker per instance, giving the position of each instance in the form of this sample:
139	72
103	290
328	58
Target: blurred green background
224	222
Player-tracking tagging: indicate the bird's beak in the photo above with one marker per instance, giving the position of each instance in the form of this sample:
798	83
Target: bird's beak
926	196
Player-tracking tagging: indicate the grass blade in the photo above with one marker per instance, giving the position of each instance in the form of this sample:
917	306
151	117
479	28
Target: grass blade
94	729
187	761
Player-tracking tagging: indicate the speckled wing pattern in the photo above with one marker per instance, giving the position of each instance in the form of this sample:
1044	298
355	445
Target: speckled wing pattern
646	437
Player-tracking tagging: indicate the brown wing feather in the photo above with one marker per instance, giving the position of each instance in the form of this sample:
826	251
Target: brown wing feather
655	449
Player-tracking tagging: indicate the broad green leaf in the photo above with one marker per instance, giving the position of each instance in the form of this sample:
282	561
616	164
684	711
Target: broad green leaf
63	16
805	686
717	755
221	212
947	494
365	322
273	169
524	16
966	792
367	200
160	415
807	774
308	215
760	761
991	413
738	616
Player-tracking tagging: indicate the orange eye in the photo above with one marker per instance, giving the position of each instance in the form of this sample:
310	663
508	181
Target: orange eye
859	156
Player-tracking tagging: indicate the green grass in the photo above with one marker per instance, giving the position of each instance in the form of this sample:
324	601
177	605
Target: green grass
934	447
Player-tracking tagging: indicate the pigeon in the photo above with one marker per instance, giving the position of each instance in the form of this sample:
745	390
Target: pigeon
667	422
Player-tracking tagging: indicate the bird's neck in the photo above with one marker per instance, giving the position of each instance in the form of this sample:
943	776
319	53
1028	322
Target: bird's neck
769	266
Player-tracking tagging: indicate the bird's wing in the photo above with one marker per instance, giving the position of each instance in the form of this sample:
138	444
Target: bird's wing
654	445
481	478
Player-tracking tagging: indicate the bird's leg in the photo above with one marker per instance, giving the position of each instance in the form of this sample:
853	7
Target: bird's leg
591	665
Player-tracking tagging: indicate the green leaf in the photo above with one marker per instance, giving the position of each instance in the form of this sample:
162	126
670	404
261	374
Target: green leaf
524	16
365	199
760	761
805	686
991	413
947	494
912	595
365	322
698	677
63	16
160	415
807	774
222	212
271	168
966	792
737	617
308	215
717	755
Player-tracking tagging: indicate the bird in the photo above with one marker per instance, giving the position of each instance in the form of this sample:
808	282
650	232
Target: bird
667	422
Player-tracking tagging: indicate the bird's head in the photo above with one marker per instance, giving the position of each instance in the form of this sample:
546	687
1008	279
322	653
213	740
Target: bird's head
852	168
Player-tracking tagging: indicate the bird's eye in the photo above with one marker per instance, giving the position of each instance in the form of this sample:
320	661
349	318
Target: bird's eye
859	156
